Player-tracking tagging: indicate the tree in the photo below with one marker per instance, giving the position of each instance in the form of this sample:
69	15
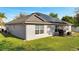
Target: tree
53	15
69	19
2	15
77	15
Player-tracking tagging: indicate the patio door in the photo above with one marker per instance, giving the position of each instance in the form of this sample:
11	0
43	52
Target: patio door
56	28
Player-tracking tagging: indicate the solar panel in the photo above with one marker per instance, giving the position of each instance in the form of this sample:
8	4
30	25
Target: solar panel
48	18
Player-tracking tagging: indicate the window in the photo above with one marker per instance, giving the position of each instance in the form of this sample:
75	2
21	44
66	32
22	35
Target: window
56	28
36	29
39	29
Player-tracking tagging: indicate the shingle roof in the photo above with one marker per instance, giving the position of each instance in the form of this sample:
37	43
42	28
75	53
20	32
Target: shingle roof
20	19
45	19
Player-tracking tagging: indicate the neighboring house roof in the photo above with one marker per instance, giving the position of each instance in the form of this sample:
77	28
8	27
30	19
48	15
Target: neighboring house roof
33	19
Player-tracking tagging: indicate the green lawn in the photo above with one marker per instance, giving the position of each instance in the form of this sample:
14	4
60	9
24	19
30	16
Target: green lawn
56	43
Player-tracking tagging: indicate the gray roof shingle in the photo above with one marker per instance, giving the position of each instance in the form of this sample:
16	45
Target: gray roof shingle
45	19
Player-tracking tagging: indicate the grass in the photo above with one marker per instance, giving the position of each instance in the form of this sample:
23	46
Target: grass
56	43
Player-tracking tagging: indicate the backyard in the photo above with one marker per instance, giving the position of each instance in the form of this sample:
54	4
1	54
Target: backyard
55	43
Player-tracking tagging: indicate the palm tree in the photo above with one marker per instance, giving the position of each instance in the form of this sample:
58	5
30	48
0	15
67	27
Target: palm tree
2	15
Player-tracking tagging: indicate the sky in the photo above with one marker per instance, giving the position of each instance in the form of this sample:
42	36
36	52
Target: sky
12	12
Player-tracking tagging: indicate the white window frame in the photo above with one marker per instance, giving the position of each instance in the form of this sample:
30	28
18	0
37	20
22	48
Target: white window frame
39	29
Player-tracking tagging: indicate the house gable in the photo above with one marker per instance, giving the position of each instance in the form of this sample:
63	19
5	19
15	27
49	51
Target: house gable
35	19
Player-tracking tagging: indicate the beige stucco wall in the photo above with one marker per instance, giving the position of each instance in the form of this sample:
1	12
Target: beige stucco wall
30	32
17	30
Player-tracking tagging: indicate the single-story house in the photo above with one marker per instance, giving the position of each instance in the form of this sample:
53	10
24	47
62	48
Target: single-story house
36	25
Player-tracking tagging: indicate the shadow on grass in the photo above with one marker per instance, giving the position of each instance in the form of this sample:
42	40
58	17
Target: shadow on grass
9	35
